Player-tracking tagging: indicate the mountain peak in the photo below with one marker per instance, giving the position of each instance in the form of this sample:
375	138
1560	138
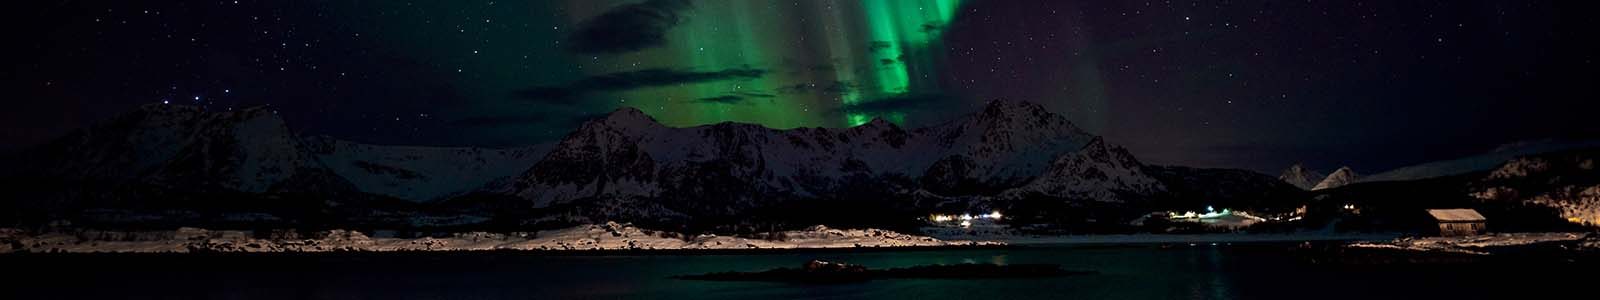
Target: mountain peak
1098	171
876	122
1302	177
1096	143
1020	115
628	116
1345	170
1341	177
1099	149
1014	107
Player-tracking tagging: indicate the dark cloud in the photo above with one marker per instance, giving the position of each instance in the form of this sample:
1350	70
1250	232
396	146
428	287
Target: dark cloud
825	88
628	28
755	95
736	98
919	109
725	99
631	80
900	103
876	46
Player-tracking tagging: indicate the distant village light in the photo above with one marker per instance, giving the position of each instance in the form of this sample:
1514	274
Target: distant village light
994	215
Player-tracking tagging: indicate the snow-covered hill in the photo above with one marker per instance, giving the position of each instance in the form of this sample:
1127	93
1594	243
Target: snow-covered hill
1566	181
1482	162
418	173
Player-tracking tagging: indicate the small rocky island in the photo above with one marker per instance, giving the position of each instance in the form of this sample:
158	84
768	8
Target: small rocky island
817	271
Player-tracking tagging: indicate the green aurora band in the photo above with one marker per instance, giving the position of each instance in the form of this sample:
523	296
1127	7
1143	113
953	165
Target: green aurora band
822	57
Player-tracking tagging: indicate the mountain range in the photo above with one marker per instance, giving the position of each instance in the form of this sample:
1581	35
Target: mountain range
623	166
174	164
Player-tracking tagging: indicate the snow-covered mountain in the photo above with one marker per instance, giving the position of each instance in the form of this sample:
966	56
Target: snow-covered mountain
726	168
418	173
624	166
252	150
1481	162
1098	172
1341	177
249	150
1005	145
1302	177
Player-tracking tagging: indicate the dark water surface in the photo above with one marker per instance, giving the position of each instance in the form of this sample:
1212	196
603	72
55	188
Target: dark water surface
1258	271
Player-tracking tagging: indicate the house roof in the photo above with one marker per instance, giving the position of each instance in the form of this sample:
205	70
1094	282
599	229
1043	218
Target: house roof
1456	215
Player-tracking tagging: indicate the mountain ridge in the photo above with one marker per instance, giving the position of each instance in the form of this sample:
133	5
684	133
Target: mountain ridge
622	166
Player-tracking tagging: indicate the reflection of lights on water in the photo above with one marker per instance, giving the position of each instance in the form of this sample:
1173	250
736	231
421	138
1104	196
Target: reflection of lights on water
965	224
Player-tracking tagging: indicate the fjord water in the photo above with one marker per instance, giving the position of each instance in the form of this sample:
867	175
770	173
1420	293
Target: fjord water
1201	271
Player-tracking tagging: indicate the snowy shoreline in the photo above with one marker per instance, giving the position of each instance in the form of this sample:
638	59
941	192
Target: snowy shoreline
1484	244
1194	238
610	236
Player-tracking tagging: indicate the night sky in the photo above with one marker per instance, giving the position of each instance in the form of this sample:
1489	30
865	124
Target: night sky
1242	84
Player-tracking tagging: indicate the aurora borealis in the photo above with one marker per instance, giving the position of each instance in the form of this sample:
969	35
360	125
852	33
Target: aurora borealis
1240	84
821	59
